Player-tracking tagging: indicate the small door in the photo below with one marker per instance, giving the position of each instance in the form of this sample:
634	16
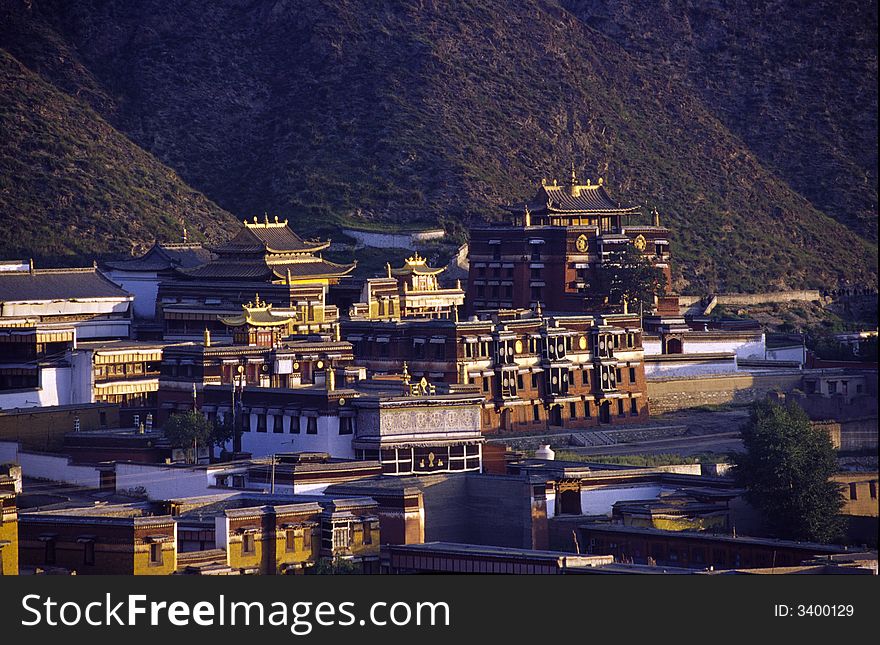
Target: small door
605	412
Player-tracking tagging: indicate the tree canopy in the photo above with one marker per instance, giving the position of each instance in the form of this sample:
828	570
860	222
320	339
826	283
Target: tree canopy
190	429
786	470
627	273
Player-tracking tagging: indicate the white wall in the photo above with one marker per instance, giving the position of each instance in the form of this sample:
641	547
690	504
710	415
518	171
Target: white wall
794	353
143	286
742	348
164	482
328	439
599	501
56	468
683	369
54	389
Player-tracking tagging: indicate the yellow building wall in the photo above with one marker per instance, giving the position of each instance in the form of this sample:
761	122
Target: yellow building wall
238	559
678	523
9	553
299	554
143	566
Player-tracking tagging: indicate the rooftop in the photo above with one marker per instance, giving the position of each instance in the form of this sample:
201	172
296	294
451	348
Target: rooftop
163	257
58	284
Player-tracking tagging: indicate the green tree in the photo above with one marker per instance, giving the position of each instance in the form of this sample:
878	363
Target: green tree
627	273
188	430
786	470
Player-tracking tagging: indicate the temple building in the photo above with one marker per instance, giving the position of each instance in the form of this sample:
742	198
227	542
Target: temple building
141	276
264	257
410	291
551	248
533	371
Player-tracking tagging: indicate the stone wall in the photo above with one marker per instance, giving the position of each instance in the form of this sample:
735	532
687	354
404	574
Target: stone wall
679	394
393	240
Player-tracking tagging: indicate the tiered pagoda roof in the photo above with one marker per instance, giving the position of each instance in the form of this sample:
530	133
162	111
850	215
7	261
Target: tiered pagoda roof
273	237
416	265
268	251
572	198
258	314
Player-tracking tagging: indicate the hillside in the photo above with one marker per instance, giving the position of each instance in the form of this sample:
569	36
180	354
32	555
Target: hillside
796	80
418	110
72	187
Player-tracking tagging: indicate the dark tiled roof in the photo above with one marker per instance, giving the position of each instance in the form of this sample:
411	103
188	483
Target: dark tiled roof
57	284
230	270
273	237
260	269
593	199
316	267
165	256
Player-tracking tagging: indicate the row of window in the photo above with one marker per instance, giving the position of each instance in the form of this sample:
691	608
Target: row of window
557	380
263	422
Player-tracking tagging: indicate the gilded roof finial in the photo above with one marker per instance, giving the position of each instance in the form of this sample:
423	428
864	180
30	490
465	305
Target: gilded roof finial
276	219
405	374
538	309
257	300
527	216
656	217
574	178
266	218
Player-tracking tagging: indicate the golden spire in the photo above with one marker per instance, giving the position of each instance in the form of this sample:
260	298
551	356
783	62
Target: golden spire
656	217
405	373
388	268
527	216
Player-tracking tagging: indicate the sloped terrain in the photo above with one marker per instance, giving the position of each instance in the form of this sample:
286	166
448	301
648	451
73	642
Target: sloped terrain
408	111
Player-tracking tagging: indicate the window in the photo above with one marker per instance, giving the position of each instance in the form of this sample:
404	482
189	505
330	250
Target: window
620	407
536	412
853	494
496	251
586	409
585	377
634	407
346	425
573	410
89	552
534	381
485	383
619	373
307	538
277	424
439	351
368	533
340	537
311	425
156	553
261	423
290	540
632	374
872	487
520	381
248	543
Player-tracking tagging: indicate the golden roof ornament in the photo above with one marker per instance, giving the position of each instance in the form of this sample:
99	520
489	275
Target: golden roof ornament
405	373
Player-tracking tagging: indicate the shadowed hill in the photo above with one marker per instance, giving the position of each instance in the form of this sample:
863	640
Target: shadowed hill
72	187
386	114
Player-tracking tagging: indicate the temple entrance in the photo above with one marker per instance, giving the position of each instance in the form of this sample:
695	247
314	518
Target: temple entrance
569	503
555	415
605	412
673	346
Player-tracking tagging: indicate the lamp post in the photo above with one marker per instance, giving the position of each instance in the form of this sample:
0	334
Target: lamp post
274	461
